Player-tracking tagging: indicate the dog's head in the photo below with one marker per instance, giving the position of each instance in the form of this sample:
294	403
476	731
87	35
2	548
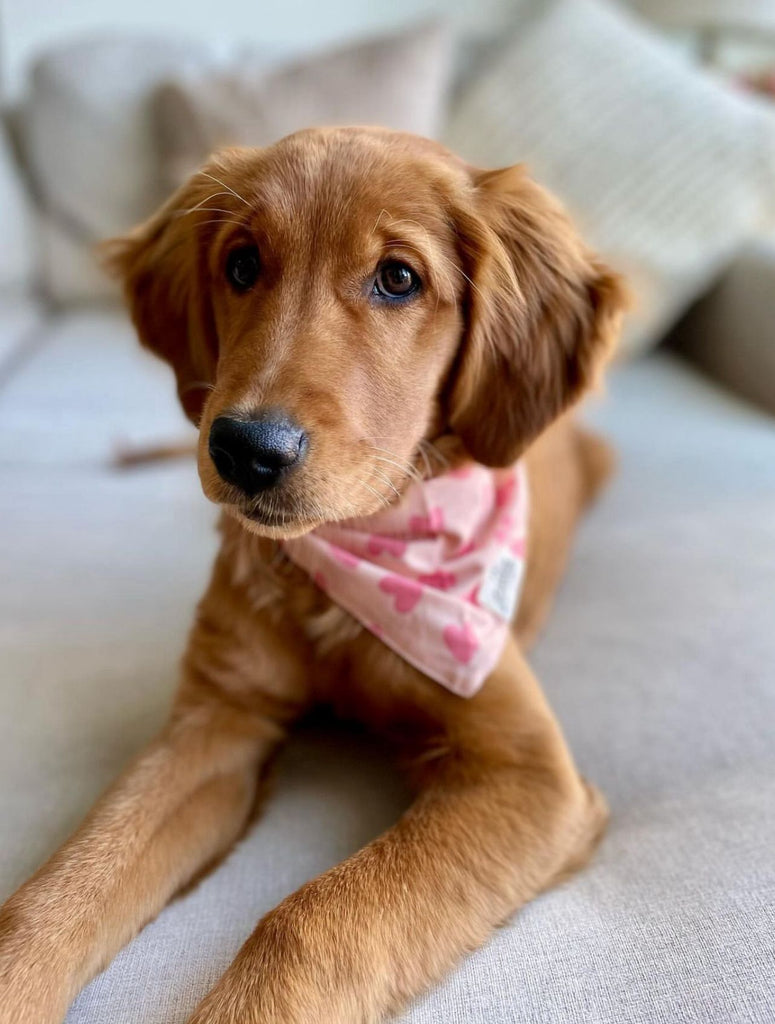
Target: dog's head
334	302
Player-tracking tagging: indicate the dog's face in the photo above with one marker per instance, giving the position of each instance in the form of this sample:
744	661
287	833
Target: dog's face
336	301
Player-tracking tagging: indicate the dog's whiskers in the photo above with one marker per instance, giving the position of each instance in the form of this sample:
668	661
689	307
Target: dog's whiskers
223	184
204	209
385	479
426	461
219	220
383	500
406	469
215	195
428	448
409	468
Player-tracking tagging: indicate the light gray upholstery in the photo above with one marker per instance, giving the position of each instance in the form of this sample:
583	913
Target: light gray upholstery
20	322
660	660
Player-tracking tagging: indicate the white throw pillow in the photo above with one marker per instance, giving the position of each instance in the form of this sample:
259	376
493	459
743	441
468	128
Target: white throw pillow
17	248
668	172
398	81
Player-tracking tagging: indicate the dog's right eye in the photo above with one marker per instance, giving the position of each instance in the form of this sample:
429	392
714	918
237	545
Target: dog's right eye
242	267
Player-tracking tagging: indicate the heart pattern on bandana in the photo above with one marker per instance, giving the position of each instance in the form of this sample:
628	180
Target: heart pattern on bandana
430	524
518	548
441	580
345	558
386	545
462	641
504	493
405	592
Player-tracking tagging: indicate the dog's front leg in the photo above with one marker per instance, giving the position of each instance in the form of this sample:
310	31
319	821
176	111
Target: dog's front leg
177	809
501	814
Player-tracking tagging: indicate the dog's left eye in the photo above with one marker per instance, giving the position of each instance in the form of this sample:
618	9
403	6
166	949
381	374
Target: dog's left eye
242	267
395	280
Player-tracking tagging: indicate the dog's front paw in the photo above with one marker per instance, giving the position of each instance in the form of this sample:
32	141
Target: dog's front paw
225	1011
227	1005
249	999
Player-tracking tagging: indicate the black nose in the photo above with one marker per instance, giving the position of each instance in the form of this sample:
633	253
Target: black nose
255	454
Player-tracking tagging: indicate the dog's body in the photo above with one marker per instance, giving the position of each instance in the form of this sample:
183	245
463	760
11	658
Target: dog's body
507	328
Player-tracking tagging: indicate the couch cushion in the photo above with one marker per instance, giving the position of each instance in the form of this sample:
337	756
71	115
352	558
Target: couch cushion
668	172
22	319
86	389
87	134
658	660
729	332
17	252
396	81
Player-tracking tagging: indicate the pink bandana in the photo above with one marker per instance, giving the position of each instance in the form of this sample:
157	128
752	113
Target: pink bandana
436	576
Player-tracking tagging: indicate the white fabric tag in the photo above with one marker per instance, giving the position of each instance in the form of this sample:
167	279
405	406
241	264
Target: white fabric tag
501	585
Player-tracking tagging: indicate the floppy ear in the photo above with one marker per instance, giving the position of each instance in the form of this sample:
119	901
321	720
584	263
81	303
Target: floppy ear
162	264
543	314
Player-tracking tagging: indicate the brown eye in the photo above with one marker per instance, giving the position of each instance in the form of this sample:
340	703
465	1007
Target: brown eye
242	267
395	280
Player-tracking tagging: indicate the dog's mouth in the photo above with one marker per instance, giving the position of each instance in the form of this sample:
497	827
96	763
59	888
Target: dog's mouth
284	513
264	518
274	523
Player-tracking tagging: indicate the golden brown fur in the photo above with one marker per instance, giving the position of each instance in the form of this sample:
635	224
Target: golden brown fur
514	320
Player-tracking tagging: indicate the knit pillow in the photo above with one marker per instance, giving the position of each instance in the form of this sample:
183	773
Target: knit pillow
667	172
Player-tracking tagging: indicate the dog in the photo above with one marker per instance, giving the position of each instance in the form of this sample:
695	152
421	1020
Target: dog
354	317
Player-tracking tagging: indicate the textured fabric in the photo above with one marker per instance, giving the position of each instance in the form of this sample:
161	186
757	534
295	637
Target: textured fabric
397	81
729	333
657	658
87	134
17	253
667	172
21	318
756	16
436	576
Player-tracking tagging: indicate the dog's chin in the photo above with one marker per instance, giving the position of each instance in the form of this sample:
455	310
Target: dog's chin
273	525
281	525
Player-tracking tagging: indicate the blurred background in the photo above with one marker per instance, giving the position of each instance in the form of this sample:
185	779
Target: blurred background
653	120
650	119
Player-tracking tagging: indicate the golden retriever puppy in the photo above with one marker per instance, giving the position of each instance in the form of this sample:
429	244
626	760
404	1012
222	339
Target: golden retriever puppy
379	344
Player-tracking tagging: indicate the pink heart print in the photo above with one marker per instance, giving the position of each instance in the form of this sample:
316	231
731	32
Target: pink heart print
462	641
344	557
518	548
406	593
504	529
440	580
386	545
431	523
504	492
